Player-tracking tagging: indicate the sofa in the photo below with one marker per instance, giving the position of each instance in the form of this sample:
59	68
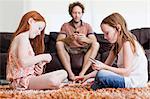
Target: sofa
142	34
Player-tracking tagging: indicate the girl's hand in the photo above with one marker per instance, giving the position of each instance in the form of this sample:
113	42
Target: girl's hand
84	80
98	65
80	79
39	68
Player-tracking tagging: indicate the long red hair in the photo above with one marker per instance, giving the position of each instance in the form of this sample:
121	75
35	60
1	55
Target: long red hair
38	42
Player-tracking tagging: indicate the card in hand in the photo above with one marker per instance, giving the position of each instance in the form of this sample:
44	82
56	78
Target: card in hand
93	60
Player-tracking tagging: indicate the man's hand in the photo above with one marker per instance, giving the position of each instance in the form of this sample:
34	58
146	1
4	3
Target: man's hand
68	40
82	38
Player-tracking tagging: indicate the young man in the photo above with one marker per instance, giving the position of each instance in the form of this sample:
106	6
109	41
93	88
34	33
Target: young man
76	37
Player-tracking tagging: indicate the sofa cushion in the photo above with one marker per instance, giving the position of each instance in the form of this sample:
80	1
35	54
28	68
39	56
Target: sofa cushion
147	52
52	43
5	39
46	42
76	63
104	44
55	64
143	36
3	63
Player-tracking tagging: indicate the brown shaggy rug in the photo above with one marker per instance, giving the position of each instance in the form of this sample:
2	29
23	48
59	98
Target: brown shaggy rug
76	91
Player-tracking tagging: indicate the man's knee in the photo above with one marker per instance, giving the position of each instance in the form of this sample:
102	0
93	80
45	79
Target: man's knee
59	44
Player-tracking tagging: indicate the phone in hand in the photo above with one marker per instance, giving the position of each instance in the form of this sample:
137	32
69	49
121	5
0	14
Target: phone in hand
93	60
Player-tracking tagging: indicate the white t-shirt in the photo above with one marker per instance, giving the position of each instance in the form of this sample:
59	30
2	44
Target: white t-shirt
139	74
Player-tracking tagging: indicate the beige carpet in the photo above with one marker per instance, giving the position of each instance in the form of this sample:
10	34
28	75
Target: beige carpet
76	91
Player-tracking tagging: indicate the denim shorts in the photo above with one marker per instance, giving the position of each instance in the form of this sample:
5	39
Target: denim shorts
108	79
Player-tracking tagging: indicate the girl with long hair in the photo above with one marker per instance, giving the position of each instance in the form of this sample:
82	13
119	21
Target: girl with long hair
26	57
131	70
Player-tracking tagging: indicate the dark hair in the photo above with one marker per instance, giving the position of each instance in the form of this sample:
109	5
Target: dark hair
72	5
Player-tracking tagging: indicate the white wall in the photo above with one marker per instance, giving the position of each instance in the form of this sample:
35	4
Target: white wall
10	13
136	12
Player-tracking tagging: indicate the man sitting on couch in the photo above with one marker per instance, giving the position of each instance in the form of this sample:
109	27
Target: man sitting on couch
76	37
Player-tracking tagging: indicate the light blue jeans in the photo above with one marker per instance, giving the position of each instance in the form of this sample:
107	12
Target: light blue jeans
108	79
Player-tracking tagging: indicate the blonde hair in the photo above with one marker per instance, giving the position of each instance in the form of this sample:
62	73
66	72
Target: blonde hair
113	20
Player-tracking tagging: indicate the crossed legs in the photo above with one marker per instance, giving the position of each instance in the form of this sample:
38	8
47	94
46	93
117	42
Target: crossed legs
65	58
108	79
52	80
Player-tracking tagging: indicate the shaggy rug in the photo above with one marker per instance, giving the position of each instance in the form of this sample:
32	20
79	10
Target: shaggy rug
76	91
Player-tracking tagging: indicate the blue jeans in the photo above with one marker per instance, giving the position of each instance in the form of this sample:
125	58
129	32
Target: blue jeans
108	79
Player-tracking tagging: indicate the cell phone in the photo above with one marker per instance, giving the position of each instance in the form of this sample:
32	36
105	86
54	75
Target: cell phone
93	60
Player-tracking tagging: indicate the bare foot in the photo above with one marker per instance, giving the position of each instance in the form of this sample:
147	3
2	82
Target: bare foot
71	77
81	74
